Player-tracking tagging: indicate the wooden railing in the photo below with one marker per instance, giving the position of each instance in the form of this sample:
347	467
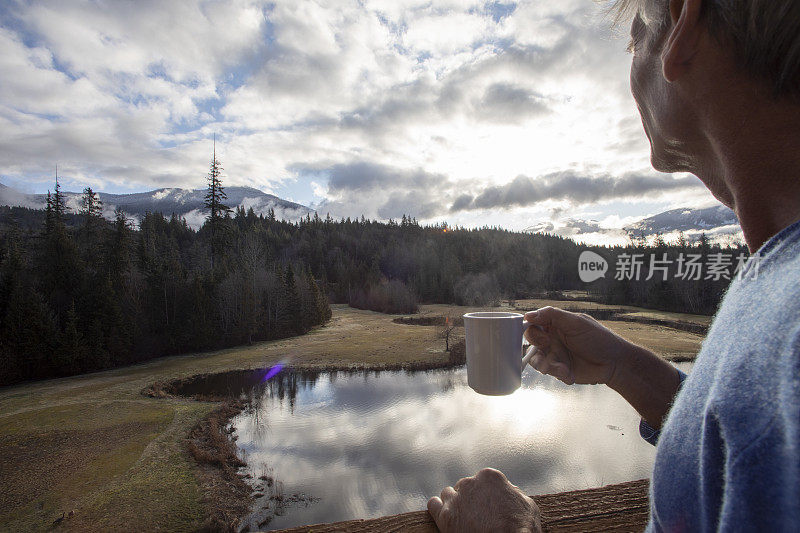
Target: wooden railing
621	507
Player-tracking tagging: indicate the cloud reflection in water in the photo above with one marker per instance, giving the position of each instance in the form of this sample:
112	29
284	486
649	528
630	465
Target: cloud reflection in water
370	444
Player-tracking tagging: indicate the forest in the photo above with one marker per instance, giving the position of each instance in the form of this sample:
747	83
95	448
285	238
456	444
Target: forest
80	293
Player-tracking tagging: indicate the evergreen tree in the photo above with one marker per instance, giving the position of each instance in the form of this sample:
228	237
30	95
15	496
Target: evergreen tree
28	335
59	203
91	205
50	219
321	308
71	349
119	251
218	211
92	213
291	316
58	258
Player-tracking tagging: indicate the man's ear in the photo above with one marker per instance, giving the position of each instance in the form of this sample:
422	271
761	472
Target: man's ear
683	38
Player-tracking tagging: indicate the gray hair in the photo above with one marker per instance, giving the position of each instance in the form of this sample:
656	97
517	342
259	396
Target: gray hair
764	34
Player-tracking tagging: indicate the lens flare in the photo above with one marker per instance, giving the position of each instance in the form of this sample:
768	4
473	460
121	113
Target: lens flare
272	372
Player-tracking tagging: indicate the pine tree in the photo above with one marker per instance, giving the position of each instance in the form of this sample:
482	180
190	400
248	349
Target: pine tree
91	206
119	252
59	203
71	350
92	212
49	221
58	260
54	209
322	309
214	202
290	320
28	336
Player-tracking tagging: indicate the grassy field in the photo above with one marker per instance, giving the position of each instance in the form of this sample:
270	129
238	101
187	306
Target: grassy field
629	310
94	444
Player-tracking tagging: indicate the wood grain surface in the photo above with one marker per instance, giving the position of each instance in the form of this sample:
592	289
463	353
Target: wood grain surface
622	507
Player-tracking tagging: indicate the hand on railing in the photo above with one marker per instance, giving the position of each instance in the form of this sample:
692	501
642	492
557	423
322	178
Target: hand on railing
486	501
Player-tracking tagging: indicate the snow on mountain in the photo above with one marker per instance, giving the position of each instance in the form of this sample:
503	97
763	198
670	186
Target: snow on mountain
185	203
687	220
718	223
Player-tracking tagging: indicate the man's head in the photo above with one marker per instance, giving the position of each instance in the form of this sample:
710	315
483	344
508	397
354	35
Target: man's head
763	35
692	58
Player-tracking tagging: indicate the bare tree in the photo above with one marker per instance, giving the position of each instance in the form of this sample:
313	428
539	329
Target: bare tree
447	331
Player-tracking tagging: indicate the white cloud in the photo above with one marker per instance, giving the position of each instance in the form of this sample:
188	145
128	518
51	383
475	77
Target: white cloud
445	33
128	96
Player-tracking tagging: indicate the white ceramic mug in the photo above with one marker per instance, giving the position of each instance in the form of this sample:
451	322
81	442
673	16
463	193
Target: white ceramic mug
494	352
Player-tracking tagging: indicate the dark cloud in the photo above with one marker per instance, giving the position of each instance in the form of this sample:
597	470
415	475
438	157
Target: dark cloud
386	114
571	186
462	202
364	176
417	204
365	187
506	103
406	104
389	192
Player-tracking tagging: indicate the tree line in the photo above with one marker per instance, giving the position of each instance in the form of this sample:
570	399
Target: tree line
79	293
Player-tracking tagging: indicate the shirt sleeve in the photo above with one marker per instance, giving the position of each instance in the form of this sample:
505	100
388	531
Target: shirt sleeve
646	431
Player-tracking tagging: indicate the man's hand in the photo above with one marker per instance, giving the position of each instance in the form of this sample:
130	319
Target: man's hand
487	502
573	347
576	348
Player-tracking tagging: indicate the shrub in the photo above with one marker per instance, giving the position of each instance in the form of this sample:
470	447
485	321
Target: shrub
389	297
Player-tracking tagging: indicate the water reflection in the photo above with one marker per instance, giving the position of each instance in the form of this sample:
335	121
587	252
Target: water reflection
357	444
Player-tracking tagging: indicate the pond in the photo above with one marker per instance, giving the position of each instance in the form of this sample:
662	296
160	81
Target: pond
325	447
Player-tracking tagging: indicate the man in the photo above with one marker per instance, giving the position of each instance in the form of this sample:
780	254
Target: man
717	83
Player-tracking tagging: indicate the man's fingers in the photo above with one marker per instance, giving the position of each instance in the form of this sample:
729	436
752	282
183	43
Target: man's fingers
537	337
539	361
491	475
562	372
435	505
548	316
448	493
463	483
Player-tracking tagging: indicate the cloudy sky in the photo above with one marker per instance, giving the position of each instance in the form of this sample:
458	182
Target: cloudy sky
516	114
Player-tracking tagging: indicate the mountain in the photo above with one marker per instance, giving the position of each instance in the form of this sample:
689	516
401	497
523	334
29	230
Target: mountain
714	220
718	223
185	203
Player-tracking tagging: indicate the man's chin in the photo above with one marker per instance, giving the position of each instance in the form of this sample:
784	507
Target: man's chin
664	163
660	164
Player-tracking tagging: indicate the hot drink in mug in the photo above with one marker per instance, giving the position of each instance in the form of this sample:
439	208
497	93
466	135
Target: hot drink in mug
494	352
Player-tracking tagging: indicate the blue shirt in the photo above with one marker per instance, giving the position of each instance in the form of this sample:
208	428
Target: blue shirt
728	455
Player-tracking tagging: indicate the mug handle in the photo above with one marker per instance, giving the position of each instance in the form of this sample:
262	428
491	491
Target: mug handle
529	354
